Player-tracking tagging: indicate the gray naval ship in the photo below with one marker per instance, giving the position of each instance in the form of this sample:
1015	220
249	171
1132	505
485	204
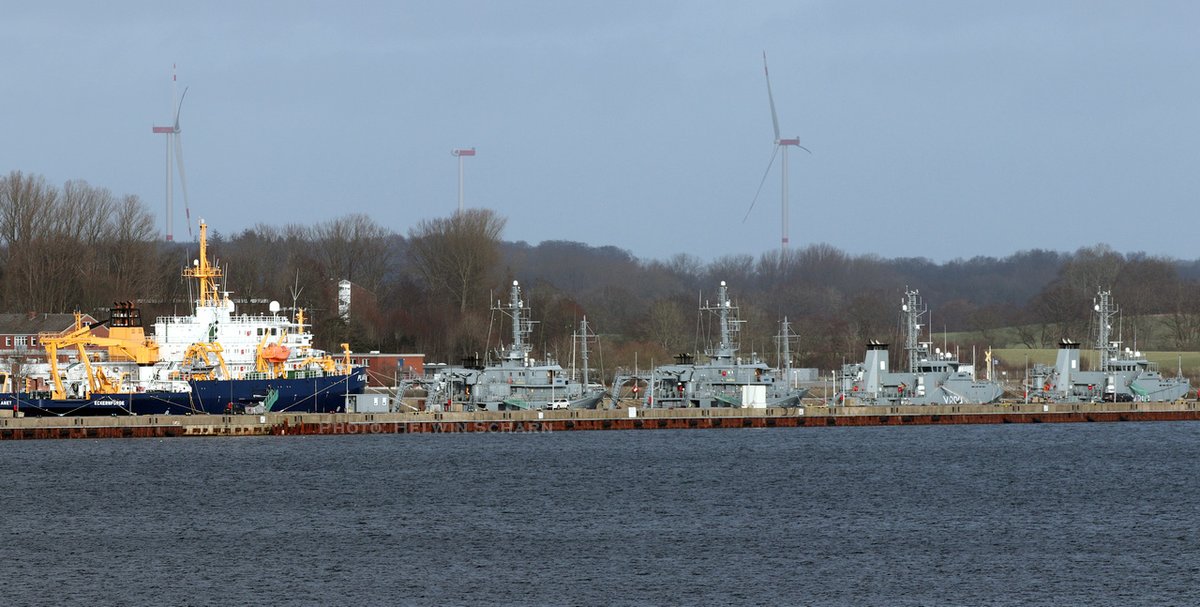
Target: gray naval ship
1122	375
933	377
724	380
516	381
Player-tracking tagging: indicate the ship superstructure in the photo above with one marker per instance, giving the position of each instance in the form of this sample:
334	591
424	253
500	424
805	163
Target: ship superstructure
932	377
251	345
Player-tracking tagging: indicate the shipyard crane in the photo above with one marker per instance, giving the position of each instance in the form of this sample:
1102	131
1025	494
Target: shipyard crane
143	351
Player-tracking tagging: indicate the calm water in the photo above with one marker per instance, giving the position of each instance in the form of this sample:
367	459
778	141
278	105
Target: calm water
1076	514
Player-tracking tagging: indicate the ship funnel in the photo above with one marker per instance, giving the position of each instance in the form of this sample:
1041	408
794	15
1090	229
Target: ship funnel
1066	364
874	366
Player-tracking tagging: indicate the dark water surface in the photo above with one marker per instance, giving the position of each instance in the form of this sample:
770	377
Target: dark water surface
1073	514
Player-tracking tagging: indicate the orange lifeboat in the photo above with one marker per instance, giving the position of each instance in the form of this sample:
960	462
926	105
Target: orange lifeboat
275	353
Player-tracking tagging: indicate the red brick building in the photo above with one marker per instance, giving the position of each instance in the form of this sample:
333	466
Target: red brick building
389	369
19	334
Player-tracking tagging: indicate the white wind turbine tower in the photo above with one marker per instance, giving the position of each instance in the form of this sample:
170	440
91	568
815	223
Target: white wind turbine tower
784	144
460	153
175	148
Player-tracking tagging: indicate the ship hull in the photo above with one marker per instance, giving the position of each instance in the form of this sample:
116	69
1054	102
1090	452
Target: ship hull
589	401
324	394
715	400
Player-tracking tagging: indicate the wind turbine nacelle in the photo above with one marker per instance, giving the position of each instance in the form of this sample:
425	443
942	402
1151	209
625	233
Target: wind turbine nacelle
795	142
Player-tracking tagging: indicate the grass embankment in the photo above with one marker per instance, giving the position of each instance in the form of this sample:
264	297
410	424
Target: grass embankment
1008	347
1168	362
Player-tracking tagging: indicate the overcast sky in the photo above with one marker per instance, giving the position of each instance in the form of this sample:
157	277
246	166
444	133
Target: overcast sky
937	129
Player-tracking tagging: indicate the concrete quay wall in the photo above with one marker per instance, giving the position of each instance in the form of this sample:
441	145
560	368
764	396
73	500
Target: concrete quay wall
279	424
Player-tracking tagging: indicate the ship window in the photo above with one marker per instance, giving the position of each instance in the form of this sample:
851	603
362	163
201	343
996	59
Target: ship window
274	331
8	341
260	331
21	341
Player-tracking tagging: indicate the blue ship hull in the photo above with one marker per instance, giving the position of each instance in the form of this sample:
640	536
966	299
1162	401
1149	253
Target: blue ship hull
325	394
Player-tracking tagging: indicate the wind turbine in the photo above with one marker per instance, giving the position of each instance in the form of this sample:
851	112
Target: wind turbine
460	153
175	144
784	144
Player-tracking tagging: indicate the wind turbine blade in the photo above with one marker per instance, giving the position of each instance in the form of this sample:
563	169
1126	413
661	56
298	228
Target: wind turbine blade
761	182
187	211
774	117
804	148
179	107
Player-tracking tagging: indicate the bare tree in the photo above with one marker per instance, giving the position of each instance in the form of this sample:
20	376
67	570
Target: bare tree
27	205
666	325
1183	322
26	202
132	250
455	255
353	248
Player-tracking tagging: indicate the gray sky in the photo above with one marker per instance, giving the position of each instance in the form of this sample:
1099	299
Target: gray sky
938	129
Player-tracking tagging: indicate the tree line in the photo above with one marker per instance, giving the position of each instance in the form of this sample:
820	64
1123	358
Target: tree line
431	289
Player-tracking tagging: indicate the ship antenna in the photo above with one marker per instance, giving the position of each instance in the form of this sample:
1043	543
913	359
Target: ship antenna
487	345
296	290
191	296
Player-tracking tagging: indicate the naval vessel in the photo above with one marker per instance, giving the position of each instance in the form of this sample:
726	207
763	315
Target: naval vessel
933	377
1123	374
515	380
723	380
213	360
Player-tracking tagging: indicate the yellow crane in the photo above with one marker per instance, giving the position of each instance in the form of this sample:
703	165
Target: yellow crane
123	343
203	358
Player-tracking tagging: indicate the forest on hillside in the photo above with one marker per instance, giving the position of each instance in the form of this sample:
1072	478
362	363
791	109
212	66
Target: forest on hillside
430	287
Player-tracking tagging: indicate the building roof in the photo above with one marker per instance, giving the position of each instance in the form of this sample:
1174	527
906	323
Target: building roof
33	323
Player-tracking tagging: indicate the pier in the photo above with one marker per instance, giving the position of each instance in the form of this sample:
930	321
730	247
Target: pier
286	424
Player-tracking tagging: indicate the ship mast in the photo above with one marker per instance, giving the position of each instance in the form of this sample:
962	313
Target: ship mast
583	348
785	343
913	310
1105	311
723	303
522	327
204	272
729	325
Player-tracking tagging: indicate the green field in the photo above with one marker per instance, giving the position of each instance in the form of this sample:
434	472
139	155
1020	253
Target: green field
1168	362
1014	355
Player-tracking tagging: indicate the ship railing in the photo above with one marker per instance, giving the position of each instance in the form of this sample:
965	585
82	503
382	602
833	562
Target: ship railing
261	318
265	319
175	320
